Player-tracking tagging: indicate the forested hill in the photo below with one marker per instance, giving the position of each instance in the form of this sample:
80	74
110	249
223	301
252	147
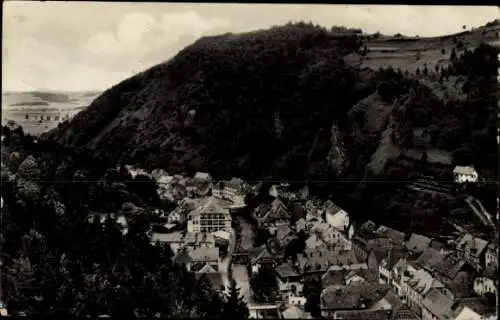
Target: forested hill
296	101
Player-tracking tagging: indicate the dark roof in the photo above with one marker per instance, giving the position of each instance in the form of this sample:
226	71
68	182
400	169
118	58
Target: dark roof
438	303
450	265
215	279
297	210
379	243
340	299
369	275
461	286
333	277
380	253
395	253
261	210
353	296
392	234
393	300
479	305
261	254
286	271
362	315
429	258
403	313
437	245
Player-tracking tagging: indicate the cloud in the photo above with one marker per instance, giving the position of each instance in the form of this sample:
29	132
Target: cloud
139	37
93	45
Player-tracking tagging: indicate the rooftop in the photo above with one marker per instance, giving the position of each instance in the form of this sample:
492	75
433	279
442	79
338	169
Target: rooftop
353	296
418	243
438	304
475	244
204	254
211	205
295	312
392	234
362	315
467	170
173	237
285	271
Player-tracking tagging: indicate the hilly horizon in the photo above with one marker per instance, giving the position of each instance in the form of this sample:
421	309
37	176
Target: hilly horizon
181	115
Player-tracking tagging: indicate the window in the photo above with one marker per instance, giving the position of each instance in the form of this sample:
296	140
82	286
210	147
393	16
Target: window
26	117
57	118
48	117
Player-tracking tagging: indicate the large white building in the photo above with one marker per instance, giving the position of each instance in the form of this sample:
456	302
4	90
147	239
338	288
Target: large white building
210	216
464	174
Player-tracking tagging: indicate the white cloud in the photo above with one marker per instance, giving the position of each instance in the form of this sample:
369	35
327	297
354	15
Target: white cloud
85	45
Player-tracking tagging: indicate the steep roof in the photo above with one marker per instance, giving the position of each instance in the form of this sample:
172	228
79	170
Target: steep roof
422	281
393	256
262	254
278	211
369	275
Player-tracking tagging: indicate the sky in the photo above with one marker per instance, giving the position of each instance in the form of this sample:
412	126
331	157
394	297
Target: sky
77	46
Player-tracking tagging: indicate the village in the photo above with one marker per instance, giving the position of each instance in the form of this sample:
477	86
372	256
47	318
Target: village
294	256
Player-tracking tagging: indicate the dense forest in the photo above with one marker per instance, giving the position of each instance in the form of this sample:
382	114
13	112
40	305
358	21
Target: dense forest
57	261
283	103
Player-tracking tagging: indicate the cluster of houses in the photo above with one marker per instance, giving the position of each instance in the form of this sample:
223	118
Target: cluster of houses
373	272
366	271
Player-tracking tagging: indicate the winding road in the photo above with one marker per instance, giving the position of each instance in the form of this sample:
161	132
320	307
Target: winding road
225	264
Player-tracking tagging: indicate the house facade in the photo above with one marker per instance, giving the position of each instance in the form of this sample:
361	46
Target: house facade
289	281
211	216
484	284
491	256
463	174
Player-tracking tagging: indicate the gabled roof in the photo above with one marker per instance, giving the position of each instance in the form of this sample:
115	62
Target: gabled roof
333	277
380	253
429	258
393	256
369	275
211	205
278	211
207	269
262	254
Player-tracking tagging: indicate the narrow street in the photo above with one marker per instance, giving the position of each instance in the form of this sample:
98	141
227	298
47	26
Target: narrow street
225	264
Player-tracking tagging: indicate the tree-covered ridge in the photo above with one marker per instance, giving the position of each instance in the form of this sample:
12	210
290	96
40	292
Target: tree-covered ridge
224	100
58	260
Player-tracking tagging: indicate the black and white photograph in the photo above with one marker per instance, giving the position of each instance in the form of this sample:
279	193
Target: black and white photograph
249	161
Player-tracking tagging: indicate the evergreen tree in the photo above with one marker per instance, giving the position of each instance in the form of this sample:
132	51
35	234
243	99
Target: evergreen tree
453	55
234	306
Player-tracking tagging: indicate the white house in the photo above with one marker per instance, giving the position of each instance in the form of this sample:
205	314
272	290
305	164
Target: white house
211	216
336	217
464	174
484	284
